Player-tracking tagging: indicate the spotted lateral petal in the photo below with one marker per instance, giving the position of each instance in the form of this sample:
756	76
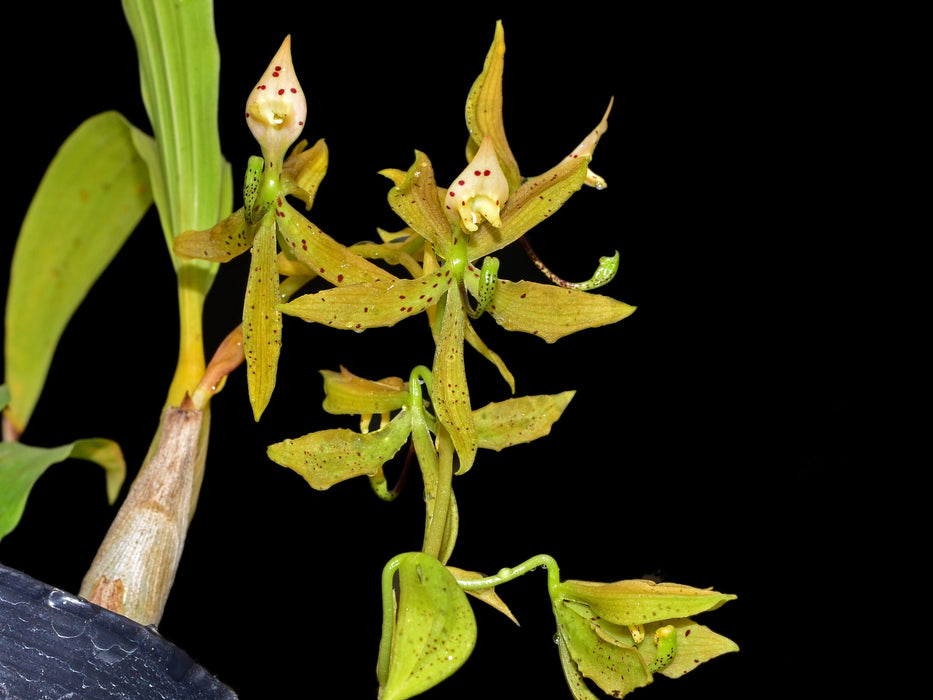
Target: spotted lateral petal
322	254
228	239
371	305
327	457
518	420
551	312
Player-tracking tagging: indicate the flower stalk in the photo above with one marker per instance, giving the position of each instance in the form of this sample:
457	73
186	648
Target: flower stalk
134	568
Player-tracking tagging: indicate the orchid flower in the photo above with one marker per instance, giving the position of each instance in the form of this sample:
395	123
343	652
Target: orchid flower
486	208
275	113
327	457
619	634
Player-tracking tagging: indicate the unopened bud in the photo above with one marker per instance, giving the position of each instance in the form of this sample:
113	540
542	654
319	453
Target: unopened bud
276	109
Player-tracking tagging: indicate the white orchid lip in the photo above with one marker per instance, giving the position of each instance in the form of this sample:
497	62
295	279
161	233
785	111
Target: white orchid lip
276	109
480	190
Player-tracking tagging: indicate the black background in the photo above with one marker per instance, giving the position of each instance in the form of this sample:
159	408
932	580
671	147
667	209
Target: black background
714	435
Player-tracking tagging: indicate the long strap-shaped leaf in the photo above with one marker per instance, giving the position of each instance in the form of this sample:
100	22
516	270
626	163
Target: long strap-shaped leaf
179	68
179	72
90	199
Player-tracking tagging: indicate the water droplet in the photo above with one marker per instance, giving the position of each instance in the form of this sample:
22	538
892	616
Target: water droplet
556	638
60	600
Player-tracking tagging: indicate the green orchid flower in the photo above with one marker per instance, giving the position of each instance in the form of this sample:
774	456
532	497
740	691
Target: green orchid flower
487	207
327	457
275	113
619	634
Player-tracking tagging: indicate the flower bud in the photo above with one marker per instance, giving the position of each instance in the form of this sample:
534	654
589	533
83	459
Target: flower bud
276	109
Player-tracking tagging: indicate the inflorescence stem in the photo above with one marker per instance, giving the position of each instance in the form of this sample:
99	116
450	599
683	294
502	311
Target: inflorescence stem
507	574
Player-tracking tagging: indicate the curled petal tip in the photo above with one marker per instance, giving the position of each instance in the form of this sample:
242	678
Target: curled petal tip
588	145
276	109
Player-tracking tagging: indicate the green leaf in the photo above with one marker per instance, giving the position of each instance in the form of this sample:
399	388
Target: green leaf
515	421
434	629
327	457
171	38
91	198
22	465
